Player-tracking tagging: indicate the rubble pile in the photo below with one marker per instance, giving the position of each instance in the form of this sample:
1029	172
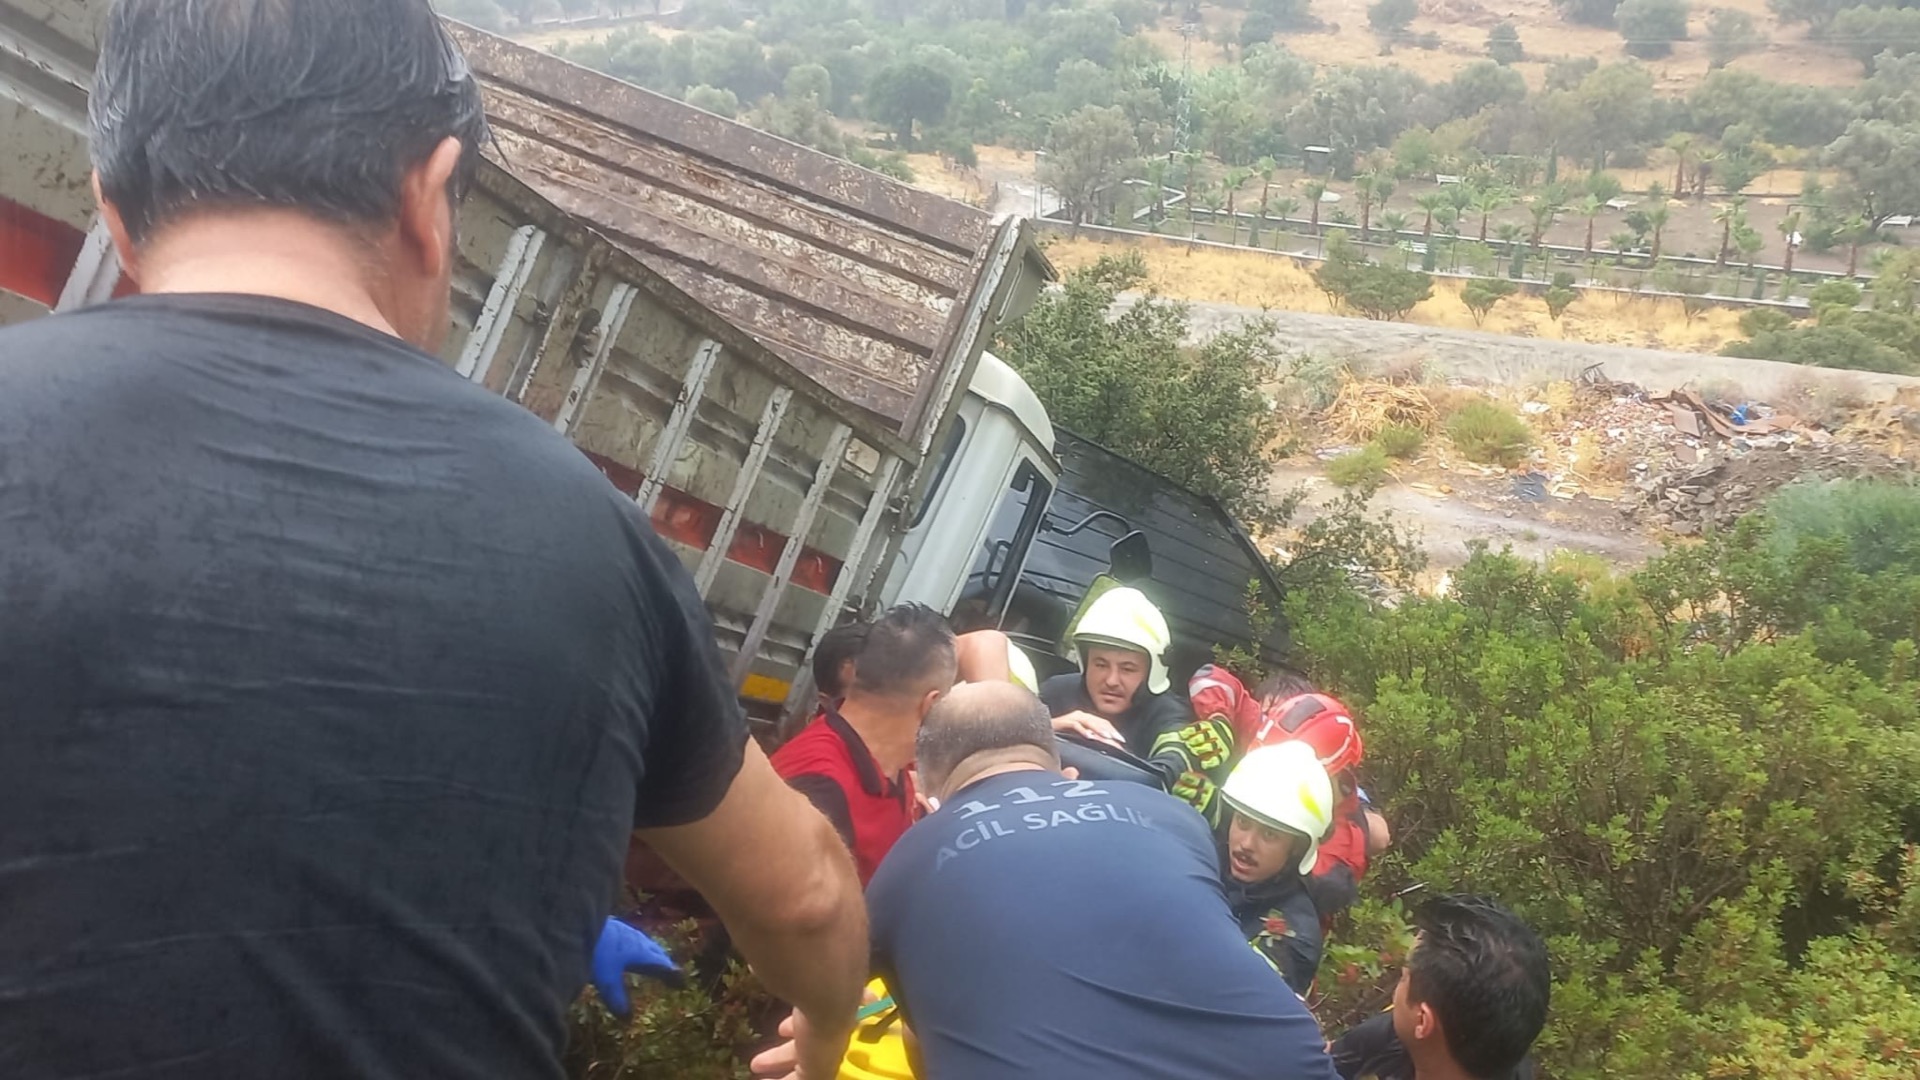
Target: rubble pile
1688	499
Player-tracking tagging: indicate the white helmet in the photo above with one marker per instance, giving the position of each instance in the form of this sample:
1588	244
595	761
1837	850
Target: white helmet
1021	669
1284	786
1124	618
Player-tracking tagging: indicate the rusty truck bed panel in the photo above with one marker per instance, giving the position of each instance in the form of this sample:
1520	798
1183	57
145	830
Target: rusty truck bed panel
857	280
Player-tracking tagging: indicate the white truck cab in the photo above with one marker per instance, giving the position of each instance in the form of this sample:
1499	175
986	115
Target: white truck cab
968	538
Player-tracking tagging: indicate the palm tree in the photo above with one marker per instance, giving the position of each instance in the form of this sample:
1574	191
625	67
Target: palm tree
1484	202
1394	223
1590	208
1366	188
1681	143
1266	167
1509	233
1727	216
1658	217
1789	228
1157	179
1315	190
1544	211
1749	241
1231	185
1621	242
1858	231
1432	202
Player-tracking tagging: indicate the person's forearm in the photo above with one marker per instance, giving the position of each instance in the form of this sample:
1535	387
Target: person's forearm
813	951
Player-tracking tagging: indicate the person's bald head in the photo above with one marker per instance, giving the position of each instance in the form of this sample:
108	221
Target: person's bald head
982	726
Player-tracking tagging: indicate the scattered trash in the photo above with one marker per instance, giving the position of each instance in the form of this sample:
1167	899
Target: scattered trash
1530	487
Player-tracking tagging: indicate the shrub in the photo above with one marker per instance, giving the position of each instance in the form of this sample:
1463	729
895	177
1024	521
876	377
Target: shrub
1701	783
1362	468
1757	321
1834	294
1490	434
1503	44
700	1031
1481	294
1400	440
1878	521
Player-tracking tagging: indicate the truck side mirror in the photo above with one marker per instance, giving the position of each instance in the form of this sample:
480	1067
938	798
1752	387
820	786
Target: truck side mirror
1129	559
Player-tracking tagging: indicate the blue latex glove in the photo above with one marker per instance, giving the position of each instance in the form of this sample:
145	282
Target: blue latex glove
622	949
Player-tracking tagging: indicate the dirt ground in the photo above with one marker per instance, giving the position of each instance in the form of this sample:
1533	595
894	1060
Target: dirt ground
1209	275
1463	25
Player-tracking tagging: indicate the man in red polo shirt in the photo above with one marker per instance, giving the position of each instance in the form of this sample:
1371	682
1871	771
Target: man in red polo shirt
852	762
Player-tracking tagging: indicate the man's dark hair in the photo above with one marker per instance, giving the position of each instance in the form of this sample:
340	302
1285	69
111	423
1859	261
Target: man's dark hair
1484	972
976	718
904	648
831	653
314	105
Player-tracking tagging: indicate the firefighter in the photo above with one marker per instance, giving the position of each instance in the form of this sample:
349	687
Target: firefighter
1282	712
1281	803
1119	695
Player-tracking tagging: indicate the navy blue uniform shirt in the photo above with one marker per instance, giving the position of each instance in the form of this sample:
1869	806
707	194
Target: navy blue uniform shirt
1042	927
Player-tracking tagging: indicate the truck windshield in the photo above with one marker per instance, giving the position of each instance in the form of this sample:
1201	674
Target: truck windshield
996	569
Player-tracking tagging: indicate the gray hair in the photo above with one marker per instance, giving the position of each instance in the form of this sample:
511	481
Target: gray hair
978	718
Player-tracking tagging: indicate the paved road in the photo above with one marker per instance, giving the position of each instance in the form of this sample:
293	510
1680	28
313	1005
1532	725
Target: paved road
1495	358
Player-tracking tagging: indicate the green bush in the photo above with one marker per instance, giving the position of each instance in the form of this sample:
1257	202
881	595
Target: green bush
1400	440
1362	468
703	1031
1834	294
1878	521
1490	434
1701	782
1757	321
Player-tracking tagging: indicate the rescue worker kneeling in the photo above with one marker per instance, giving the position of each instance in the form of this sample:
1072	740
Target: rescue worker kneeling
1282	804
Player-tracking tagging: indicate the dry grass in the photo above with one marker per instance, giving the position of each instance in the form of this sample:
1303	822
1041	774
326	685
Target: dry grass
1255	280
1462	26
1365	408
930	173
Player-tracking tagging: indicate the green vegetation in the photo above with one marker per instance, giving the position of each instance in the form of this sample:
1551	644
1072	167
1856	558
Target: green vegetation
1701	781
1196	415
1371	289
1652	26
1503	44
698	1032
1490	434
1885	338
1481	294
1560	296
1400	440
1732	34
1365	468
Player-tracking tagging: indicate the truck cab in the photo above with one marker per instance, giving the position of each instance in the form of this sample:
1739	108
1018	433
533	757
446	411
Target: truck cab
991	483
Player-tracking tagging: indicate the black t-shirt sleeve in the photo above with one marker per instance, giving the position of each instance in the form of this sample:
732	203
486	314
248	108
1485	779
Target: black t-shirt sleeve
697	734
828	798
1371	1049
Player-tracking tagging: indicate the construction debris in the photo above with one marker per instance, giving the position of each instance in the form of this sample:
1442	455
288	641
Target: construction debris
1687	499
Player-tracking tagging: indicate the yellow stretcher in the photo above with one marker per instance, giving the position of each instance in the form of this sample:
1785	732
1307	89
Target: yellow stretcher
877	1050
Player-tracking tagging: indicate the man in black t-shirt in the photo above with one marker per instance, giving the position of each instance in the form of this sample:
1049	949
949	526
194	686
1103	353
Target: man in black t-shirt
1471	1000
1038	926
331	685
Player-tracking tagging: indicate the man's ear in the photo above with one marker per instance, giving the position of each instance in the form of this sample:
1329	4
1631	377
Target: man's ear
426	208
117	229
1426	1025
927	699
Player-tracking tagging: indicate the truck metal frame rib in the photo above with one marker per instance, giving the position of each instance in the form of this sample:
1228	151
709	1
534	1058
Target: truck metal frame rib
856	569
483	343
619	303
743	484
830	460
705	358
